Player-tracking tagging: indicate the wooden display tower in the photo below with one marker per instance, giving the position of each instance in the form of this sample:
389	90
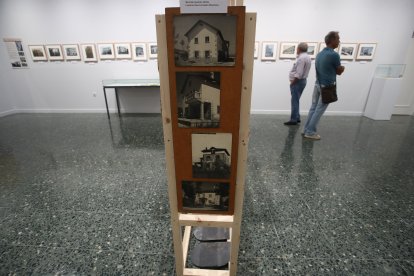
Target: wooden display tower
230	218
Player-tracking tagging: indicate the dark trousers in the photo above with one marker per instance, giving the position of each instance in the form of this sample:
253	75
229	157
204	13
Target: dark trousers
296	92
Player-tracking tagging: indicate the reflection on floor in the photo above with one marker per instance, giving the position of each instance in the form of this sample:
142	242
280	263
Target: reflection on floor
80	195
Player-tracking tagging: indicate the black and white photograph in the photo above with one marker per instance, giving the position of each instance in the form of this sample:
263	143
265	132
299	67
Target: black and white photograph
54	52
269	50
123	51
19	45
106	51
198	99
312	49
211	155
153	50
366	51
288	50
205	40
89	52
211	196
139	51
71	52
347	50
38	52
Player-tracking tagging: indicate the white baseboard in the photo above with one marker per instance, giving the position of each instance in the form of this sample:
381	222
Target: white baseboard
8	112
402	110
287	112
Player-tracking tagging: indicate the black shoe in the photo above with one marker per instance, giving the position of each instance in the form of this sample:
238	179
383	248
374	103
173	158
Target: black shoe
290	123
298	121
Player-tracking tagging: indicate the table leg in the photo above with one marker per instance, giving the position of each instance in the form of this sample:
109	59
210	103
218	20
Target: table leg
117	102
106	103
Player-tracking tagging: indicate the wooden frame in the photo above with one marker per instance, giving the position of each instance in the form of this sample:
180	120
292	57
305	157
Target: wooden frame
269	51
71	52
123	51
38	52
106	51
256	50
89	52
54	52
287	50
366	51
139	51
186	221
347	50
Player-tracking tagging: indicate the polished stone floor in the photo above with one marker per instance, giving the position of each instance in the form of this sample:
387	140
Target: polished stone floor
80	196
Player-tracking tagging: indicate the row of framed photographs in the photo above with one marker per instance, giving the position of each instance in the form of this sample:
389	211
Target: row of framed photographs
91	52
287	50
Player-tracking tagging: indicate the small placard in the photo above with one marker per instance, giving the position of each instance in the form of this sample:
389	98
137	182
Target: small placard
203	6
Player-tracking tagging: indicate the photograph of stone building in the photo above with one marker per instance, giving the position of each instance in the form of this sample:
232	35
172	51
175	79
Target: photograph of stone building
198	99
205	40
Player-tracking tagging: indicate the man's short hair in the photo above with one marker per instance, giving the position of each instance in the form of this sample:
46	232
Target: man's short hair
331	36
303	47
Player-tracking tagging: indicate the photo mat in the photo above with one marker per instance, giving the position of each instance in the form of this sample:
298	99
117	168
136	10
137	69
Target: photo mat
71	52
269	50
38	52
54	52
89	52
288	50
106	51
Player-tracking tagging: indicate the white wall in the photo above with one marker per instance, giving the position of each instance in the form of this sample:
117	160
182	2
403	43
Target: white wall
69	87
389	23
405	101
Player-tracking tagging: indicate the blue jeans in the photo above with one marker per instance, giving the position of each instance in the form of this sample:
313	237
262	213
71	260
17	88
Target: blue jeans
315	112
296	92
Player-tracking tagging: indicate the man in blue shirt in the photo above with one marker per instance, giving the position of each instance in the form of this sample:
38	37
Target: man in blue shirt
328	65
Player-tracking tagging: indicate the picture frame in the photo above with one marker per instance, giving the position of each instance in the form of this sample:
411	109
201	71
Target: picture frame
288	50
123	51
269	50
139	51
89	52
38	52
313	49
205	39
152	50
366	51
256	50
71	52
54	52
322	45
106	51
347	50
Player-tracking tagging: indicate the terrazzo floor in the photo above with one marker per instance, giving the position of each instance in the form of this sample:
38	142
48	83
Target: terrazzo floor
80	195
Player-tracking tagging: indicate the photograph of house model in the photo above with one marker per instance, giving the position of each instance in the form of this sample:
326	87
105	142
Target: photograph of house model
205	40
198	99
211	155
212	196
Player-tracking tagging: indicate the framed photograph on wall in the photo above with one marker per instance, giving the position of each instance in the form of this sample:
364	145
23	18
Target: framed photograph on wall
347	50
123	51
139	51
106	51
54	52
203	195
256	49
288	50
89	52
366	51
152	49
312	49
38	52
269	50
71	52
322	45
211	155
